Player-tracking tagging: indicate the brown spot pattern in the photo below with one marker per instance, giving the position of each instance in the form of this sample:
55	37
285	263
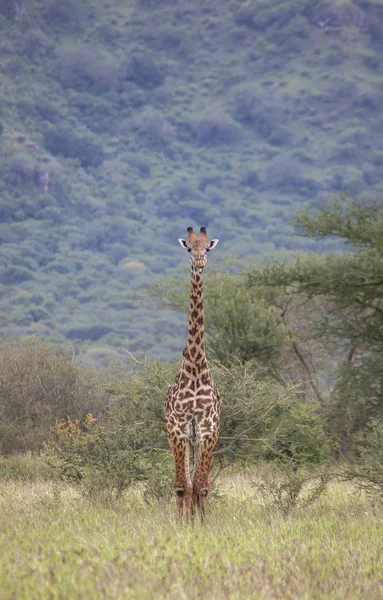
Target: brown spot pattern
192	410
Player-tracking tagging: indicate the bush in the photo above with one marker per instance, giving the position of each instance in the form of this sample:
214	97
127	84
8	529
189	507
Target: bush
127	445
264	419
63	141
106	458
23	166
39	385
143	70
242	325
154	128
15	275
254	107
214	127
251	178
291	490
260	419
284	172
8	9
25	467
117	252
92	332
86	69
66	15
366	471
95	112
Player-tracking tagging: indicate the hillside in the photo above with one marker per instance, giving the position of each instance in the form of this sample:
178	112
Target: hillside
123	122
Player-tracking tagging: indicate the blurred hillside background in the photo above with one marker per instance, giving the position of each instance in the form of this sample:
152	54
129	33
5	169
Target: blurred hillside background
124	122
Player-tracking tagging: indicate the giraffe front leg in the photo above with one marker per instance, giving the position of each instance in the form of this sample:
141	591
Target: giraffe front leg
183	486
201	473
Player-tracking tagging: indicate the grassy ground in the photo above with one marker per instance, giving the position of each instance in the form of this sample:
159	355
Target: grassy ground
56	544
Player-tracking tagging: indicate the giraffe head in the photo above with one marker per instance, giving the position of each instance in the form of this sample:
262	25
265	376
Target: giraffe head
198	247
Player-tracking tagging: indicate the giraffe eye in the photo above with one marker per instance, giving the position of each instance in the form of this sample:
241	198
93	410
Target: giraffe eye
189	249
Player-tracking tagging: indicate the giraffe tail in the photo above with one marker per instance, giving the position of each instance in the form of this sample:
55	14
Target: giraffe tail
192	449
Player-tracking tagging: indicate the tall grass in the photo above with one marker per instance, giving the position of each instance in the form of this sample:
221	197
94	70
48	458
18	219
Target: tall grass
55	543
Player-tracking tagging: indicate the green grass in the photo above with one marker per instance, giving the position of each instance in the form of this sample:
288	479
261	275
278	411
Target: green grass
56	544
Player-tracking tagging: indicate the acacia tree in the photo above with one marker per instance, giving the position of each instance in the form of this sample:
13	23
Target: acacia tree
351	285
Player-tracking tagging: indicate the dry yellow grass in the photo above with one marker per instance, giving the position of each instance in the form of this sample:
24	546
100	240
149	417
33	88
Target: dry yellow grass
56	544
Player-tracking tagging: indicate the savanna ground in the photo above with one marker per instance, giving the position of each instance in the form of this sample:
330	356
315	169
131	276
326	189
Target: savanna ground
57	543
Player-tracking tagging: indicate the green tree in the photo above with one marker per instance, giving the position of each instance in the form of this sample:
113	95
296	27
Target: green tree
351	283
259	323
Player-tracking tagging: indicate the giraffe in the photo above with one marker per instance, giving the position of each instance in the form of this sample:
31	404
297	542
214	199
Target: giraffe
193	404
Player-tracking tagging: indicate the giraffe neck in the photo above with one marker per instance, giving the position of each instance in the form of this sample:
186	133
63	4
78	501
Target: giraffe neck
194	352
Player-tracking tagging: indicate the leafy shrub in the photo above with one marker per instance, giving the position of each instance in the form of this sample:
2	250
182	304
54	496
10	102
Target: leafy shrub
251	178
128	443
37	44
208	179
85	68
169	38
366	469
95	112
107	458
15	66
15	275
39	314
284	172
63	141
24	467
242	325
66	15
215	127
154	128
117	252
92	332
246	15
182	190
126	446
22	165
38	385
8	9
291	490
141	68
264	419
254	107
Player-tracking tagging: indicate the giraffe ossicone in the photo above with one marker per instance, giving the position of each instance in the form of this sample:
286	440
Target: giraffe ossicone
193	404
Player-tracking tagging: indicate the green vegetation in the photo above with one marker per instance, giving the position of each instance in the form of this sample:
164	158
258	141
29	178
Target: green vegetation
122	123
295	348
55	543
343	299
38	385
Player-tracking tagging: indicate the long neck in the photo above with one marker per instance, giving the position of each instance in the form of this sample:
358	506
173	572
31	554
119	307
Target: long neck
195	348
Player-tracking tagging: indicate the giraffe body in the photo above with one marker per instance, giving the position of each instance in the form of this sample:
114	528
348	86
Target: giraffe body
193	404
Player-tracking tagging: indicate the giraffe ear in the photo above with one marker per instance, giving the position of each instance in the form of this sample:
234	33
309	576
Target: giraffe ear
212	244
183	243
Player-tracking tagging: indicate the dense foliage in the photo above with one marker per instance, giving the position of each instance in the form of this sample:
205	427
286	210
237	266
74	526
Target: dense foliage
39	384
351	284
121	123
127	443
